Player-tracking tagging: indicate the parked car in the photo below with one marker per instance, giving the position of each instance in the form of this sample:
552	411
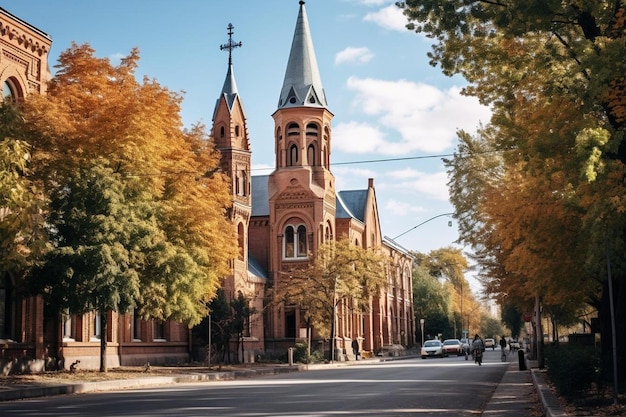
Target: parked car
453	346
490	343
465	345
433	348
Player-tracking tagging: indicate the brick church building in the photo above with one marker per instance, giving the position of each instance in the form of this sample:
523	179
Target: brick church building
281	220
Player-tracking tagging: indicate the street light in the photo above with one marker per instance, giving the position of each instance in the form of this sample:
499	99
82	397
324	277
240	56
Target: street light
424	222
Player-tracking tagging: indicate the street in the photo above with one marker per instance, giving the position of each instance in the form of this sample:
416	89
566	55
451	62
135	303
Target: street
433	387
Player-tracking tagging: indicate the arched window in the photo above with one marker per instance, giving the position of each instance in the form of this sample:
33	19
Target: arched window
241	240
310	155
293	155
11	90
295	244
222	132
237	130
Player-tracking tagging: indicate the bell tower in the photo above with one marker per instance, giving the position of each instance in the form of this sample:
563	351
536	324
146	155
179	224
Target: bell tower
301	189
230	135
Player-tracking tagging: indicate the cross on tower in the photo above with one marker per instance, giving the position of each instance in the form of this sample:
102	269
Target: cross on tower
230	45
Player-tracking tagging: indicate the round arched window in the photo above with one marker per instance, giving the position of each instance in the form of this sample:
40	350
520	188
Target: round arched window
11	90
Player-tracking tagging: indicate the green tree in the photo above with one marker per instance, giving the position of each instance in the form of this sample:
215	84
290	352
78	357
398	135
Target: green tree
99	228
241	319
431	302
512	318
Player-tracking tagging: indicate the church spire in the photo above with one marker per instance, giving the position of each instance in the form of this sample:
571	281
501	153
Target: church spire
229	90
302	85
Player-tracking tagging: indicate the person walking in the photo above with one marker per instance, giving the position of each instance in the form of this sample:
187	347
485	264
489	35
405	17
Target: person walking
503	348
355	349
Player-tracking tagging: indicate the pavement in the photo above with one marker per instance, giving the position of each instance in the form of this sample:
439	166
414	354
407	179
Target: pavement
517	394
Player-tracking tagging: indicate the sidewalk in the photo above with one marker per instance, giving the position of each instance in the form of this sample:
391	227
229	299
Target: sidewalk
523	393
519	393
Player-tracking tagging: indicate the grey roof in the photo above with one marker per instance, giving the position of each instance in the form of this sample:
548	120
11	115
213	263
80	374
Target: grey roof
255	269
260	196
229	90
302	85
352	204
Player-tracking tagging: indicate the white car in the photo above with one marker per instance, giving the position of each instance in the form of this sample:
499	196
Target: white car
433	348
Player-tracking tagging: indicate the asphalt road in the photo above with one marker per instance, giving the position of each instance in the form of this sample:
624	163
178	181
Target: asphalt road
411	387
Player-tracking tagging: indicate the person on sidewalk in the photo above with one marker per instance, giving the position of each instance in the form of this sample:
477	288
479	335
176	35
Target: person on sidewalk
355	349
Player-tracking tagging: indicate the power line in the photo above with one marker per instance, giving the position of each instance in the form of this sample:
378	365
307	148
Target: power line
375	161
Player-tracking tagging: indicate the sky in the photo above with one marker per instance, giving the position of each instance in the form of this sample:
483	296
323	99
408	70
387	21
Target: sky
394	114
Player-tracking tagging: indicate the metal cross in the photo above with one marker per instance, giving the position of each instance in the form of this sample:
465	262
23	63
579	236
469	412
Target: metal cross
230	45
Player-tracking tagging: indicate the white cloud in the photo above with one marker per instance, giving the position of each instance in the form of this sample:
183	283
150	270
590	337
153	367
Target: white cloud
351	54
373	2
389	17
356	137
430	184
419	117
401	208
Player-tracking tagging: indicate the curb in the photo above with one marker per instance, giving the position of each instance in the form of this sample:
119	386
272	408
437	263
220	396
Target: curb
551	406
120	384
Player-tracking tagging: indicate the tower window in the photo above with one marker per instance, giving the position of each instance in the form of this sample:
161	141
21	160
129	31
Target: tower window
295	242
222	132
293	155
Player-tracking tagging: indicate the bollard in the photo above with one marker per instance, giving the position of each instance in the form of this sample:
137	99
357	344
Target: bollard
522	361
290	355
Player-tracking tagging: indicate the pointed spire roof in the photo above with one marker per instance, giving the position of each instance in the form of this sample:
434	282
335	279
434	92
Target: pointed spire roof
302	85
229	90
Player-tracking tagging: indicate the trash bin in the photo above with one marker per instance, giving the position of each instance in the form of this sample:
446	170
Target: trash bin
521	359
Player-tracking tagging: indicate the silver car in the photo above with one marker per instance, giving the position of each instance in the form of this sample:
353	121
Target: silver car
433	348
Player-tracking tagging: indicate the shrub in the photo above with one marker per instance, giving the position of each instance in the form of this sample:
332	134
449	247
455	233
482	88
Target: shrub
572	369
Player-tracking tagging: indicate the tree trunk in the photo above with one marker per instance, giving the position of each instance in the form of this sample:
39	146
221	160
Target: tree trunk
103	341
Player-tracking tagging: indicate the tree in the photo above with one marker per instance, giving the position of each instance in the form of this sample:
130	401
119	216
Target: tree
431	302
99	228
241	318
138	201
341	273
553	74
22	240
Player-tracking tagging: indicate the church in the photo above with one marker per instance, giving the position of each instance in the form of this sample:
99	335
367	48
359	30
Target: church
281	219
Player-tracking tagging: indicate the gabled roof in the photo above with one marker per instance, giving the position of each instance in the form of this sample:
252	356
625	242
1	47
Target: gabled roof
302	86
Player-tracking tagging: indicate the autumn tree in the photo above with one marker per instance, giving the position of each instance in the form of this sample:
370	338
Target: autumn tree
138	217
341	273
22	239
553	74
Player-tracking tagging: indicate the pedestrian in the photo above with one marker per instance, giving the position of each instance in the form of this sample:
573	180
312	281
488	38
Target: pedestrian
502	343
355	348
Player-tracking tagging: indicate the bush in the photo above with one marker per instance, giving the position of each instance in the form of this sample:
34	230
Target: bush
572	369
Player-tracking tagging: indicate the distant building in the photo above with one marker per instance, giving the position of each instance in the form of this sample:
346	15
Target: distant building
281	220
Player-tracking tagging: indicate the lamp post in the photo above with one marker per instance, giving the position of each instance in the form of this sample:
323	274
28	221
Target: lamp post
424	222
422	328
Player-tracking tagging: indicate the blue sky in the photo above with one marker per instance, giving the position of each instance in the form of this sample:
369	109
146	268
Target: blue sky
388	102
